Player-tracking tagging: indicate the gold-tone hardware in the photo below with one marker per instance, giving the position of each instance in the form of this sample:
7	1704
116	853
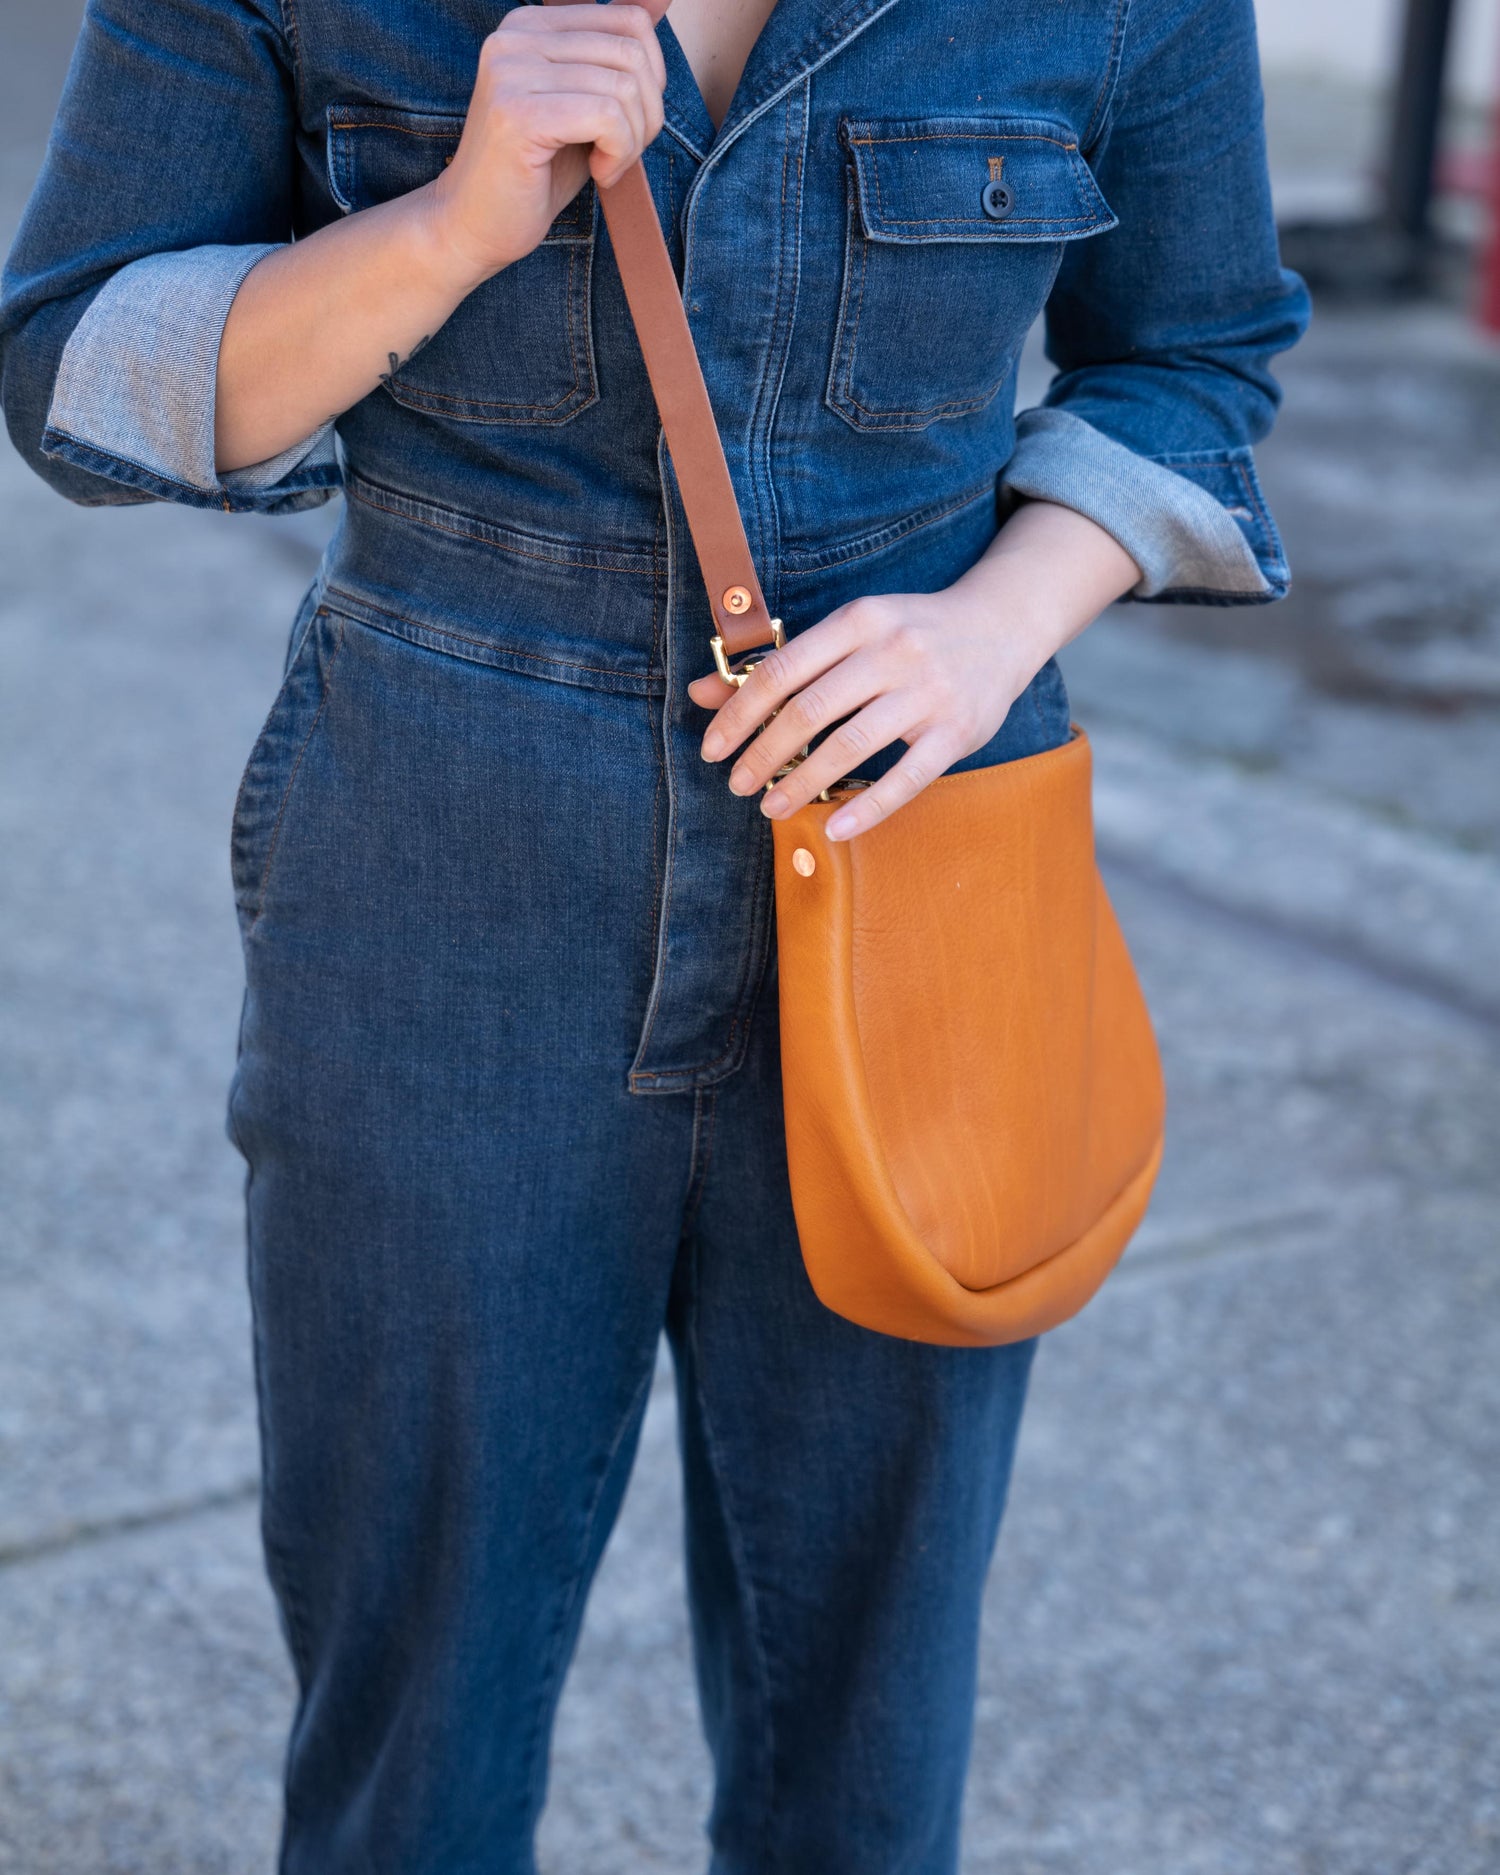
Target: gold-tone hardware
736	600
803	862
737	673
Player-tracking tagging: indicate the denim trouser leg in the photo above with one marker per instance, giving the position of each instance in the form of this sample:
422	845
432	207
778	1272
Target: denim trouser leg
466	1235
844	1490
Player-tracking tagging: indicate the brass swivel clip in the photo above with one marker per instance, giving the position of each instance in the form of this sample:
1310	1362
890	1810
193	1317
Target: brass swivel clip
737	673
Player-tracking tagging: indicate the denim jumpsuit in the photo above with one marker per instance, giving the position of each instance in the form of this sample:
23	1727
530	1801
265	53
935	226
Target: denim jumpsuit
508	1082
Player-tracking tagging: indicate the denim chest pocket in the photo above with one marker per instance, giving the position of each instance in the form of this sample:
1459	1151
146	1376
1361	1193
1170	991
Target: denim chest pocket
955	229
520	348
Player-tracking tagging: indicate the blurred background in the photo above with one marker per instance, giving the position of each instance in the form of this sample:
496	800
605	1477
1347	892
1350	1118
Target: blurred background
1245	1618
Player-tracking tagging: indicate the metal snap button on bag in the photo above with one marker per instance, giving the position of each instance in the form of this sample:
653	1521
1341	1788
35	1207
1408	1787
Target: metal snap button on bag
973	1097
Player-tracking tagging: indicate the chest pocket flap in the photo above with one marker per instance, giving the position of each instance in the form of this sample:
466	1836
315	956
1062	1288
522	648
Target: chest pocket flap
956	228
973	179
519	349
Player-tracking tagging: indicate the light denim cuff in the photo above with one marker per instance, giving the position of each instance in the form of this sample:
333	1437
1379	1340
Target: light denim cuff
1179	535
139	377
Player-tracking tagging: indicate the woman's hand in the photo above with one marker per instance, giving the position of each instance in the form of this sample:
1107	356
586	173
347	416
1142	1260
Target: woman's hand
938	670
563	93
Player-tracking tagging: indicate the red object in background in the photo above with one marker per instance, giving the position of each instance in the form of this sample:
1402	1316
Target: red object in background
1489	271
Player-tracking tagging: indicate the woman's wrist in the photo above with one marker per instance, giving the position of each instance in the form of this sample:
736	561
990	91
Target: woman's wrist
1048	574
435	248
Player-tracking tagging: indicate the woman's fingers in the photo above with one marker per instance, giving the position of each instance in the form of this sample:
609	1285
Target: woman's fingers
588	104
619	20
855	680
869	674
552	121
623	47
783	672
634	76
873	728
561	93
710	692
927	758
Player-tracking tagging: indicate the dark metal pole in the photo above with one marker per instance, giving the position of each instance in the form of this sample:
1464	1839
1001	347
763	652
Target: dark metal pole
1418	108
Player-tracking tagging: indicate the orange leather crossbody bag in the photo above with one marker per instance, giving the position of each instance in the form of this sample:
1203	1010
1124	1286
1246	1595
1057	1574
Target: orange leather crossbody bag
973	1095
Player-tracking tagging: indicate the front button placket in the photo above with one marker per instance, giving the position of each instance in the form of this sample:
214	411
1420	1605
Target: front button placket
716	902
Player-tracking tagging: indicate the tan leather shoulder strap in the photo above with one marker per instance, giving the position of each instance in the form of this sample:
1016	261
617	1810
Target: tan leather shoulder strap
739	608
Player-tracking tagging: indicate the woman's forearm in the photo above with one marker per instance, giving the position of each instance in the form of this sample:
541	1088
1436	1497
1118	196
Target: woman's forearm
316	325
563	93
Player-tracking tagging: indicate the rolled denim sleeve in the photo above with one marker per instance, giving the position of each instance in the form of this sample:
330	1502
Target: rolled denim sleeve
1164	328
136	388
170	171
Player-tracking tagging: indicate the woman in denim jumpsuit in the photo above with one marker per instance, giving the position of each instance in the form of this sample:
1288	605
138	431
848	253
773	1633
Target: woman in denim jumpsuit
508	1083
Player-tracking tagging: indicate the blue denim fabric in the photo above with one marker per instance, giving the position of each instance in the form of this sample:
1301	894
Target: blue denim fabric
508	1084
457	884
138	379
863	361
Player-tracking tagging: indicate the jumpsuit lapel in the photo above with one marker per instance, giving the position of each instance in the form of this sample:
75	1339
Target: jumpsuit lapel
799	35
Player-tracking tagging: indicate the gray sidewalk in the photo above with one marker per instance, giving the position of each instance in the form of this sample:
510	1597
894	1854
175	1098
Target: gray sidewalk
1245	1619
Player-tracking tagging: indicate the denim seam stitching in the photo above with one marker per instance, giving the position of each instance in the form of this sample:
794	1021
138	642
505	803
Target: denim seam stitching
298	1631
291	34
882	537
358	605
1111	71
960	136
968	221
291	780
442	136
388	121
762	892
766	399
739	1021
950	407
356	492
650	1076
799	65
786	350
995	231
834	389
658	751
686	141
1253	499
584	388
1212	459
705	1120
827	42
635	1076
168	481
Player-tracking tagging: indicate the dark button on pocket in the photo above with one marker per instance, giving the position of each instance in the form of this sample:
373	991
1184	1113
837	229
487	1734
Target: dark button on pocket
997	199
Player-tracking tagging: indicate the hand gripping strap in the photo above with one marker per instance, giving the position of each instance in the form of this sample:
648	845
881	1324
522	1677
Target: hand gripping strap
666	343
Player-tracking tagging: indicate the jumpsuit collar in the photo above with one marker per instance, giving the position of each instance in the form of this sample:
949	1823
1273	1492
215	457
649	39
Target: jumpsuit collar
798	36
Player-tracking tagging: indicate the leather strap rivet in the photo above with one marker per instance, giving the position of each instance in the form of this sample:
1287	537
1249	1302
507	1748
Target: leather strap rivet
737	599
803	862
